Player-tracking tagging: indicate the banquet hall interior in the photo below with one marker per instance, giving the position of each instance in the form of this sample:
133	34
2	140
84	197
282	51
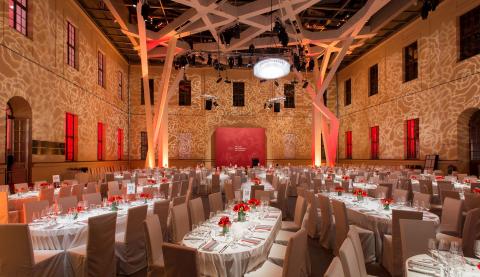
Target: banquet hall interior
240	138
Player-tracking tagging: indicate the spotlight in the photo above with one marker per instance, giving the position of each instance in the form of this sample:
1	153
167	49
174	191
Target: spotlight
276	107
311	65
276	83
208	104
239	61
270	105
227	81
305	84
231	62
145	10
262	80
191	59
134	3
281	33
294	82
219	79
215	104
265	105
209	60
251	49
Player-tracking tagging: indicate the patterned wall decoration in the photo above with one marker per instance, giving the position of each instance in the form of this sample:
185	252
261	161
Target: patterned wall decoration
184	145
445	89
289	146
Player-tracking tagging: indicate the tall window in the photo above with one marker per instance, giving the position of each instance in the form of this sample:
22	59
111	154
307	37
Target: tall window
373	80
374	141
238	94
289	92
411	138
71	140
348	144
348	92
143	145
100	144
120	144
71	45
185	93
410	62
470	34
142	98
325	97
120	84
17	15
101	69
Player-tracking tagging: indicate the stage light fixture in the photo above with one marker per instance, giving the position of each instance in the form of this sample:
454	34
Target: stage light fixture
219	79
311	65
262	80
227	81
305	84
276	107
215	104
239	61
231	62
251	49
208	104
145	11
276	83
209	59
271	68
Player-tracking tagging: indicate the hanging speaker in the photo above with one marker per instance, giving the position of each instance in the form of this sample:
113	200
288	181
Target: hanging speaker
276	107
208	104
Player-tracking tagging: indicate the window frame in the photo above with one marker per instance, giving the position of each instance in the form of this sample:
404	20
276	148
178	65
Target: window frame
347	93
410	62
289	102
373	80
12	16
374	142
71	138
101	69
348	145
462	41
143	145
184	95
120	84
151	84
238	96
71	45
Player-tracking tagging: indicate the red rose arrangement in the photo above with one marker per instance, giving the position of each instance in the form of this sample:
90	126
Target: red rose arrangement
476	190
224	222
329	177
360	194
164	180
439	178
21	190
114	198
44	185
256	181
466	181
346	177
339	190
254	202
413	177
386	203
79	209
151	182
241	209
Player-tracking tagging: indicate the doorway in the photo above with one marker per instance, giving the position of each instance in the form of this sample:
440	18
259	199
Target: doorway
474	127
18	148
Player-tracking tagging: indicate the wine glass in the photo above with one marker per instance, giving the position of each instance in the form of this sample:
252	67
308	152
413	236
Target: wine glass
476	248
432	247
443	245
455	248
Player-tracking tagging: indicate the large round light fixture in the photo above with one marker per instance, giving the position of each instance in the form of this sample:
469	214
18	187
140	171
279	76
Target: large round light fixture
271	68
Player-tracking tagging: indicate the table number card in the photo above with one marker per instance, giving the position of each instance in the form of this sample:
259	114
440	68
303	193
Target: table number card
56	178
131	188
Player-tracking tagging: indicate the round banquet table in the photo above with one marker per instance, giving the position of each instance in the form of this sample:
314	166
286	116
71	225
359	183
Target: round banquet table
66	233
243	250
422	265
370	215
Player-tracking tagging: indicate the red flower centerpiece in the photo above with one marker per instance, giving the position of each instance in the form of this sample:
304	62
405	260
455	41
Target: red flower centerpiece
386	203
360	194
44	185
413	177
466	181
21	190
151	182
476	190
339	190
114	201
145	196
256	181
253	203
241	209
164	180
346	177
439	178
225	223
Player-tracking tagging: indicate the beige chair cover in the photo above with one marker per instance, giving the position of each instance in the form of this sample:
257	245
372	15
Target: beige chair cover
215	183
263	195
400	195
392	258
180	222
471	232
281	198
472	201
183	187
67	203
327	226
451	219
130	246
47	194
154	242
335	269
97	257
357	245
178	200
150	190
229	192
92	198
113	186
450	194
317	185
164	189
180	260
349	258
237	182
5	188
254	188
33	207
197	214
91	187
161	208
296	257
442	186
65	191
18	259
389	187
6	216
420	198
175	189
414	236
82	178
381	192
77	190
21	187
215	202
296	224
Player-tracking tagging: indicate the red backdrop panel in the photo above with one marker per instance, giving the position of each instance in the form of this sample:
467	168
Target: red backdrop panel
239	146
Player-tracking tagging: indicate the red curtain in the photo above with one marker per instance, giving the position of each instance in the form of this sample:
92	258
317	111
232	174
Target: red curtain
100	134
120	144
374	137
71	123
348	144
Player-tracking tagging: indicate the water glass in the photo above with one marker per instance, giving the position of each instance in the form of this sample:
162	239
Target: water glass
432	247
477	248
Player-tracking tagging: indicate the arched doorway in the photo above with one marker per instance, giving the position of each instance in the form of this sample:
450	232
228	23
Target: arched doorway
18	148
474	127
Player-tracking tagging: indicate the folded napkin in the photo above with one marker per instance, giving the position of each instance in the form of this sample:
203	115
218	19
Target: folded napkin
210	246
193	238
271	216
252	241
423	267
263	227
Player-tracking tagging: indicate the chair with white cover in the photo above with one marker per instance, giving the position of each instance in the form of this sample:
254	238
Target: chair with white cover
451	220
21	187
180	222
6	216
154	242
164	189
175	189
263	195
47	194
91	187
414	236
400	195
161	209
113	187
215	183
327	226
357	245
229	192
237	182
130	245
254	188
77	190
97	257
349	258
29	208
92	198
341	230
279	202
179	260
197	214
19	259
296	224
65	191
295	264
67	203
472	201
335	269
215	202
178	200
392	258
422	199
444	185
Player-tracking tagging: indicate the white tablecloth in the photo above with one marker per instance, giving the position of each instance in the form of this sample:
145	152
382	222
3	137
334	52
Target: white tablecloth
236	260
414	267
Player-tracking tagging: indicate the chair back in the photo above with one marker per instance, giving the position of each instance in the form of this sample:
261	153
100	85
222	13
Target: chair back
229	192
150	190
180	260
381	192
134	235
357	245
101	245
113	186
65	191
237	182
5	188
183	187
426	186
16	254
92	198
153	240
215	202
312	215
175	189
414	236
348	258
400	195
180	222
389	187
335	269
341	223
178	200
317	185
327	221
91	187
300	208
197	214
29	208
67	203
471	232
472	201
164	189
450	194
22	187
77	190
451	219
420	198
215	183
442	186
263	195
47	194
295	256
281	196
254	188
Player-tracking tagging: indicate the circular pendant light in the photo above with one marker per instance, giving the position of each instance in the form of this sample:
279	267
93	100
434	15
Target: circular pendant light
271	68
